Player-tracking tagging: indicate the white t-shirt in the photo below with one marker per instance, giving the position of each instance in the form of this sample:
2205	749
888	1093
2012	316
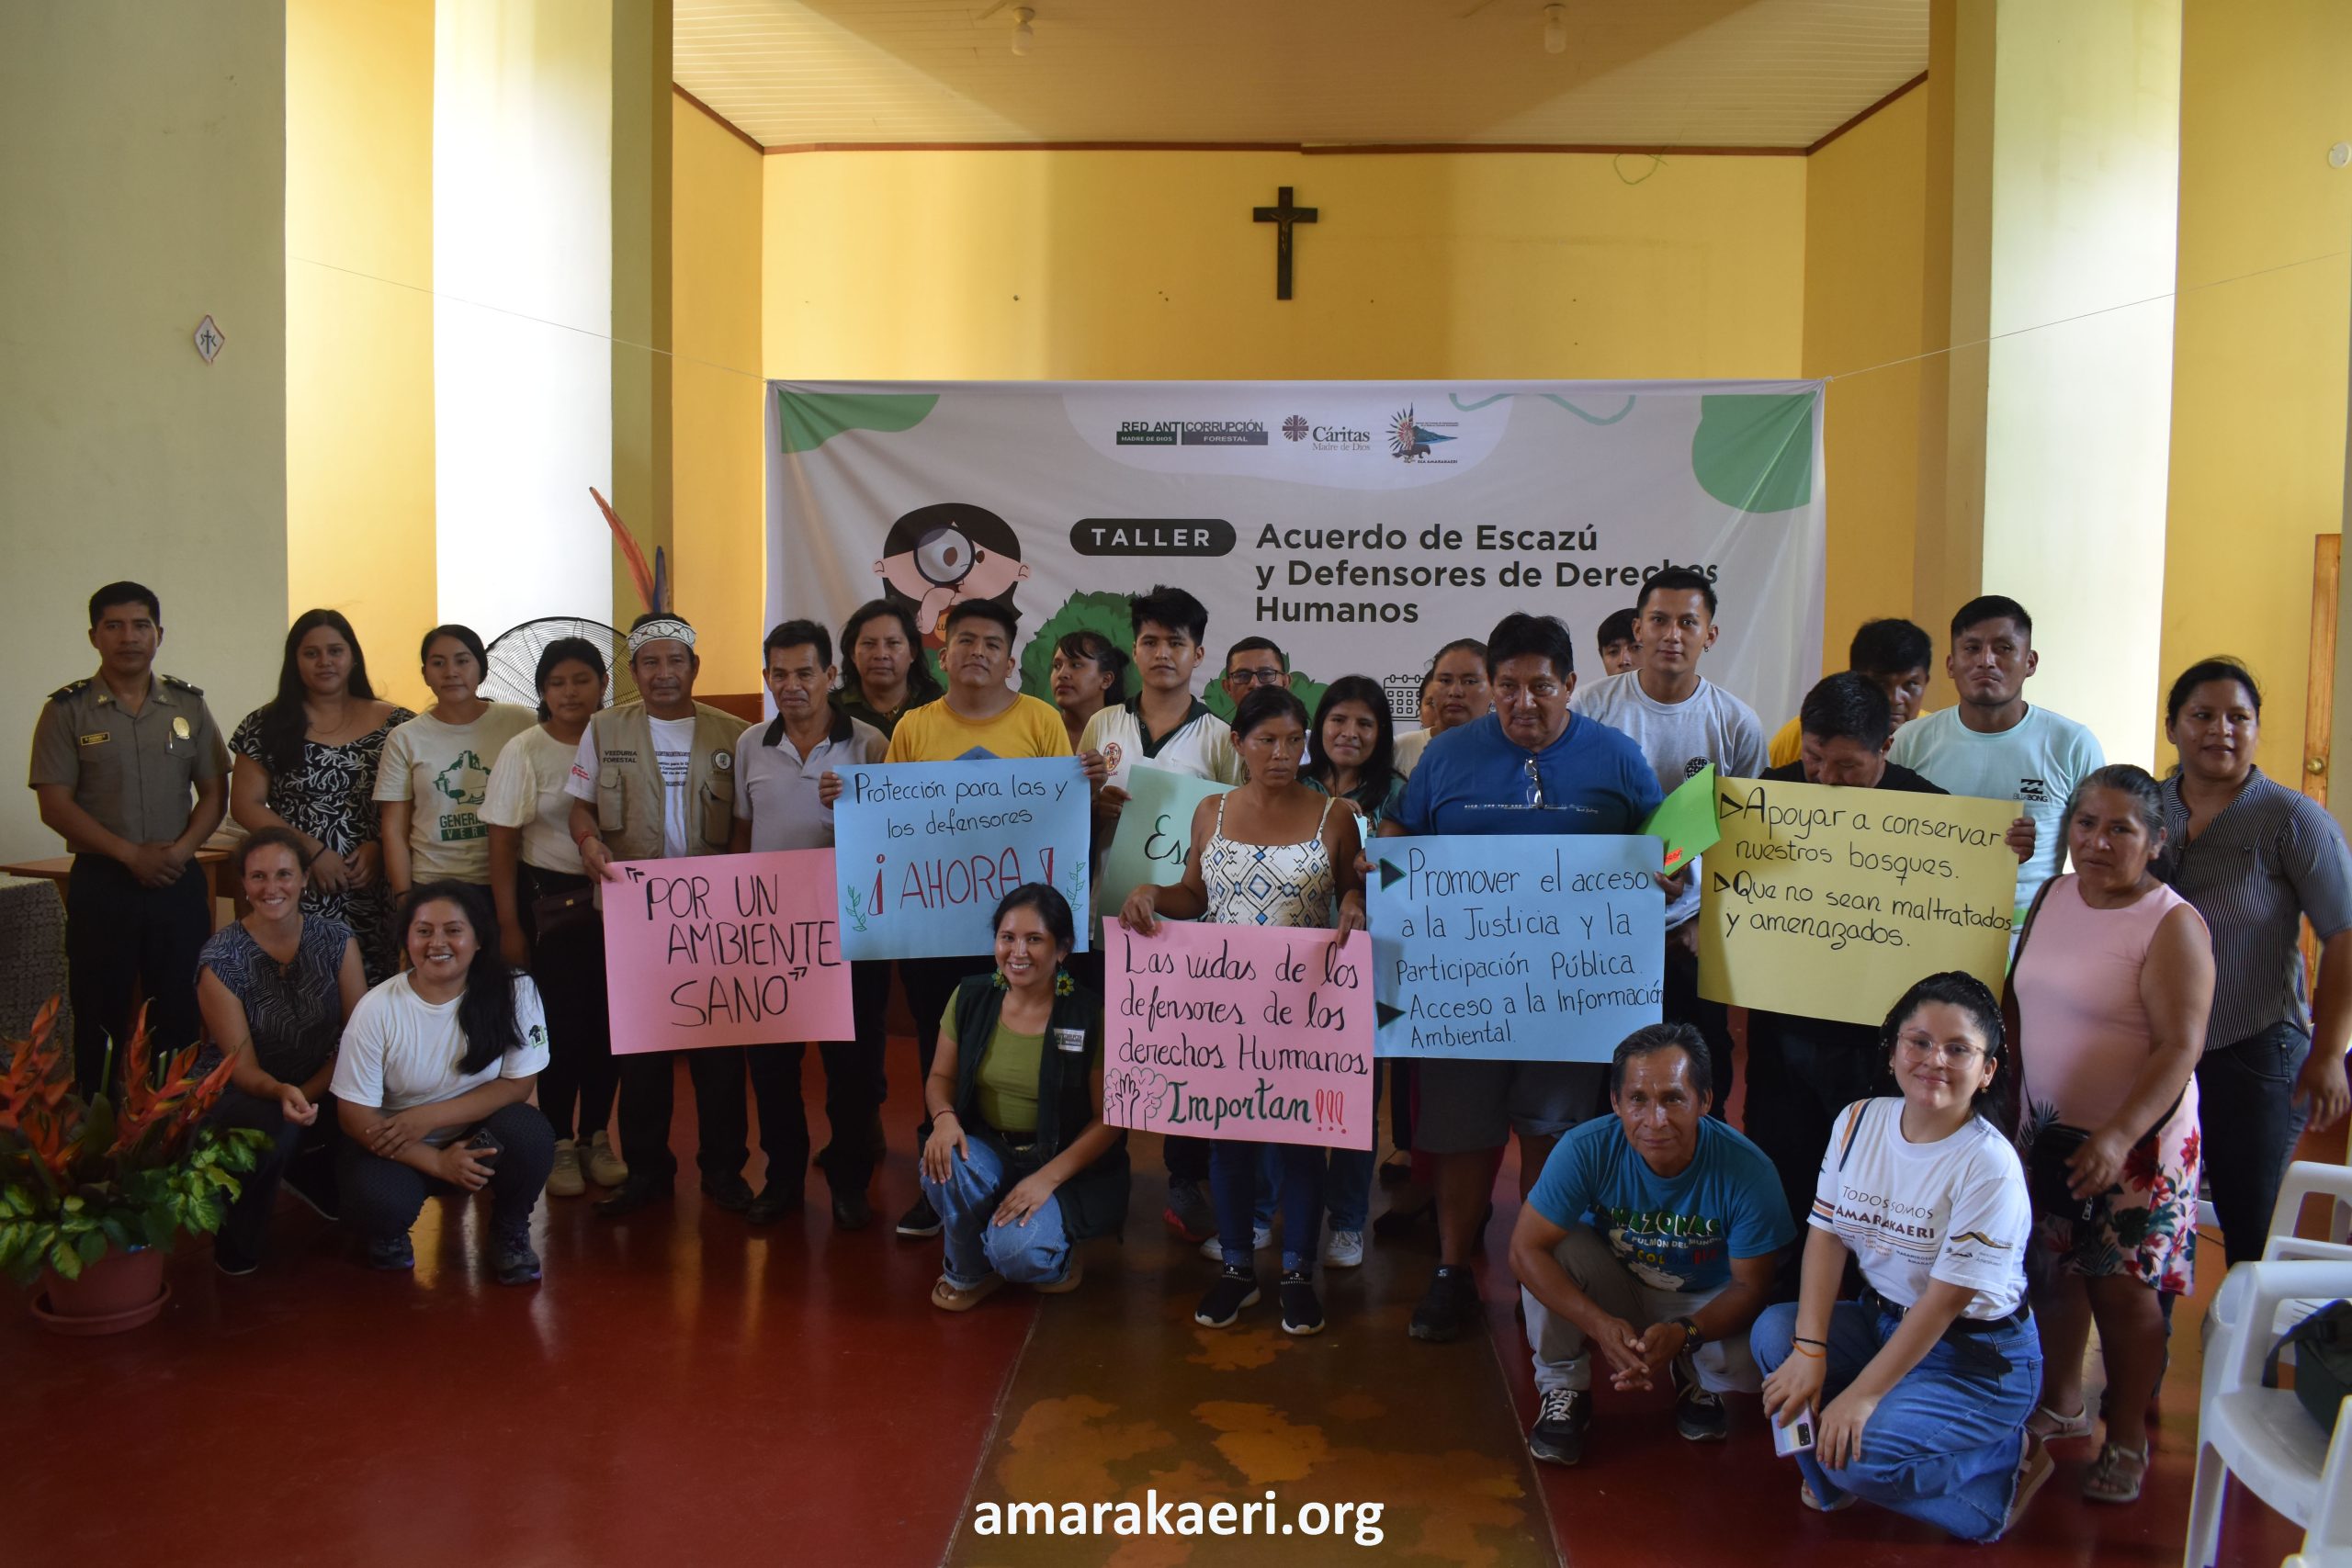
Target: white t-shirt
444	769
1954	1211
674	752
1679	739
526	791
1201	746
400	1050
1409	747
2038	762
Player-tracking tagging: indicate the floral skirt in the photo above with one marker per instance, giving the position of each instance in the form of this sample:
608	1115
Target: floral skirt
2145	1228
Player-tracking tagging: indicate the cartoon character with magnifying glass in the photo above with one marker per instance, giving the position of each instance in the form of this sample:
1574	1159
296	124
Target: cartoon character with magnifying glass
935	556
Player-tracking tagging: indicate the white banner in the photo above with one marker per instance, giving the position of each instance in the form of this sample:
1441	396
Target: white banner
1360	524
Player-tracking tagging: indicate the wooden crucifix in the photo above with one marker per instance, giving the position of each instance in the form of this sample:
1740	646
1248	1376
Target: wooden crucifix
1282	215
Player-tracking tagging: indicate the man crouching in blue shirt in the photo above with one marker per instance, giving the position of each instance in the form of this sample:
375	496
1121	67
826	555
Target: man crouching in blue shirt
1651	1235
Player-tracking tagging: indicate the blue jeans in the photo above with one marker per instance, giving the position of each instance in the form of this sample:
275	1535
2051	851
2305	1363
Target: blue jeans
1943	1445
1347	1188
1034	1251
1236	1168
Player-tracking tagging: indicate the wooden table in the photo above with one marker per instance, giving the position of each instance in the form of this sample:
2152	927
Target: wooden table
220	871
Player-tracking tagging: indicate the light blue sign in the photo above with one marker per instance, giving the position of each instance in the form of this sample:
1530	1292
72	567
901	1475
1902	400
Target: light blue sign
925	850
1523	948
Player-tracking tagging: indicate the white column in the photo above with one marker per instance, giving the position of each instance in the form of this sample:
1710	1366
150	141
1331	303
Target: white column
2078	423
522	262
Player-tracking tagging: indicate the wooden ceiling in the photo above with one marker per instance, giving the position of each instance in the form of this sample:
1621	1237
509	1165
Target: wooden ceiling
1725	73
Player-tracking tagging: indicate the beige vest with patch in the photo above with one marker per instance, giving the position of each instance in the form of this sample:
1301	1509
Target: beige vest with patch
629	797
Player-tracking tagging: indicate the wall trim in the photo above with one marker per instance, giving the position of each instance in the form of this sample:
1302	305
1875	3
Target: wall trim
1882	103
725	124
1308	149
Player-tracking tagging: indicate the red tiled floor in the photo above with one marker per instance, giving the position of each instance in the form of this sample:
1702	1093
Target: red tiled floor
684	1390
680	1389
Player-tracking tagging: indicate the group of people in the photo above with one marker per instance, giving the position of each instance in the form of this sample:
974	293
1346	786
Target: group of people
422	958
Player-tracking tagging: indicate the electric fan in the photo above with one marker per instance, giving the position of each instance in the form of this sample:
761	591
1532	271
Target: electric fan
514	658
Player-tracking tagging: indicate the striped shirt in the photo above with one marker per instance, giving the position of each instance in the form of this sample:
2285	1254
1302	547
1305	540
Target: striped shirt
2271	858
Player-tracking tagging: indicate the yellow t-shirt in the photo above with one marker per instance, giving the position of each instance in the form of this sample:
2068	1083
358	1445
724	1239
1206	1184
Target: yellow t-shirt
935	733
1787	745
1006	1089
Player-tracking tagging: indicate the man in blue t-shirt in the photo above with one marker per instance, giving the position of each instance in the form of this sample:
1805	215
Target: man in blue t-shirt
1652	1236
1529	766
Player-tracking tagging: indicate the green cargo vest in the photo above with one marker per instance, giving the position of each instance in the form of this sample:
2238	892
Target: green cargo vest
628	783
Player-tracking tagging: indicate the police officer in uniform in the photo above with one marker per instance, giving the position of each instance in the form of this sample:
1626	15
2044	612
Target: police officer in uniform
131	771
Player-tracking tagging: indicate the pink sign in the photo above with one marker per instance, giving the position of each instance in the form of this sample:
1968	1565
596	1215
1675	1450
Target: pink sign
1238	1031
724	950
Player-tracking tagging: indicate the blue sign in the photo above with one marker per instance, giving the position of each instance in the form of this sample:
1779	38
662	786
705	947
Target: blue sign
1522	948
925	850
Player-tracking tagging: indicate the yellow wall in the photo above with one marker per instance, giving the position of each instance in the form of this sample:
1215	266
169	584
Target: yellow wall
1146	264
359	473
718	474
2260	347
1865	232
144	187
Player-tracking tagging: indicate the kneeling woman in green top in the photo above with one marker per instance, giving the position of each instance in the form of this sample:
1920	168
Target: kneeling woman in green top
1021	1165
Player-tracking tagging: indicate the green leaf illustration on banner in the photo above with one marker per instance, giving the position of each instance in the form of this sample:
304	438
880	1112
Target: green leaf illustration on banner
1089	612
1305	687
807	419
1754	450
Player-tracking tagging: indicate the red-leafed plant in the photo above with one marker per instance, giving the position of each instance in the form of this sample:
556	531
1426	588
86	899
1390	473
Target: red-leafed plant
78	1176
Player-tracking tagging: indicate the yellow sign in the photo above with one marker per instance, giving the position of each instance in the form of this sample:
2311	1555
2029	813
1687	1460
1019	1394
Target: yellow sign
1828	903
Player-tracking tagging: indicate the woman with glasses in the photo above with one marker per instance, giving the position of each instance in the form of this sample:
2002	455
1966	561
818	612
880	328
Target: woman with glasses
1271	852
2112	988
1915	1395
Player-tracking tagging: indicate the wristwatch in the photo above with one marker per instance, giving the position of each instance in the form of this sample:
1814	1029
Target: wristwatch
1690	1327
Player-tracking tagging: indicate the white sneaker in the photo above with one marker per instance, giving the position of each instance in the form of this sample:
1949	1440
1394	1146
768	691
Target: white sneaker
1214	1248
1344	1249
564	1181
605	1167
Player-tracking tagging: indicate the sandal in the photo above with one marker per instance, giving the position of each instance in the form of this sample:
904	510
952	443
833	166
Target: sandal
2034	1467
2052	1427
2115	1476
1068	1281
949	1296
1804	1495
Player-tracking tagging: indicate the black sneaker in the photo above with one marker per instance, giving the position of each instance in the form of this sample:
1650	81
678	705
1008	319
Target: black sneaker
1236	1288
632	1195
1188	1215
920	1221
852	1212
229	1260
773	1204
732	1193
1449	1308
1558	1436
316	1191
512	1258
1301	1313
392	1253
1699	1416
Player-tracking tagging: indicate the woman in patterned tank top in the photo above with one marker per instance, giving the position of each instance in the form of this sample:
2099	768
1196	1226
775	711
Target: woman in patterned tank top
1272	851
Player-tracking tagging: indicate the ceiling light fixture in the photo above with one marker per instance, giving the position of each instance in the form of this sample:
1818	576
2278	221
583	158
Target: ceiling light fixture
1024	35
1556	29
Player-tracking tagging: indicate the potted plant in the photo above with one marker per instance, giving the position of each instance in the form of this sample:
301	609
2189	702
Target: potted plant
90	1195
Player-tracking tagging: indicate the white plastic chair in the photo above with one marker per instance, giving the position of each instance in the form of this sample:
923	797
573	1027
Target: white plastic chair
2264	1435
2304	1177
